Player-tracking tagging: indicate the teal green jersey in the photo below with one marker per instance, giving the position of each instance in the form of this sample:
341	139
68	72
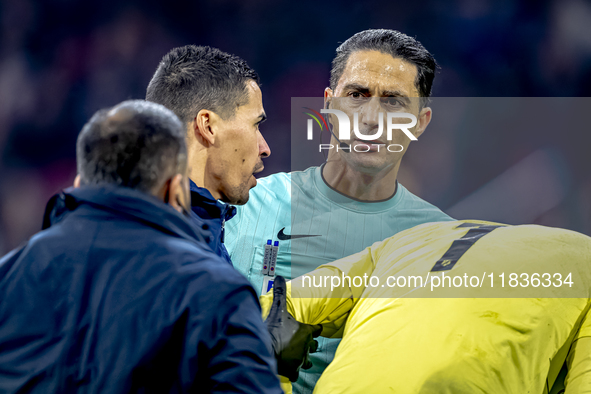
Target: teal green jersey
314	225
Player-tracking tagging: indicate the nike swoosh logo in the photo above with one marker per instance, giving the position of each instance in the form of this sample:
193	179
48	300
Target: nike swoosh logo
285	237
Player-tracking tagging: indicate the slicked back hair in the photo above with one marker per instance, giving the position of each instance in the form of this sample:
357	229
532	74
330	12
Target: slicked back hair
136	144
394	43
192	78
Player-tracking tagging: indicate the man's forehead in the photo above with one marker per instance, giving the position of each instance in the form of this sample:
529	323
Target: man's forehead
255	99
381	71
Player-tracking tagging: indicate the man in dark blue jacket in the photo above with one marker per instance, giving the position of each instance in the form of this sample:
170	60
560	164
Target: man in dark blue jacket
217	97
120	292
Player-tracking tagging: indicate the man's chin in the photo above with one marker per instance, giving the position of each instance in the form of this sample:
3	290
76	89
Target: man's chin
367	162
237	200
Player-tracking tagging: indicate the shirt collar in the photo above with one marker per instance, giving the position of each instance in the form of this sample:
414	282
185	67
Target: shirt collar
202	198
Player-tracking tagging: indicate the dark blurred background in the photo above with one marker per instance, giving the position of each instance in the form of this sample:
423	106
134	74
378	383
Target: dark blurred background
61	60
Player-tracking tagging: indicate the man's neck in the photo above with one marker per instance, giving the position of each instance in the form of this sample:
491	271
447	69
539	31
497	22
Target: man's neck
196	174
197	169
358	185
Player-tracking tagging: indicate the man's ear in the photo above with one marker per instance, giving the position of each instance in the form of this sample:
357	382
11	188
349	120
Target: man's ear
176	193
202	127
423	121
328	94
77	181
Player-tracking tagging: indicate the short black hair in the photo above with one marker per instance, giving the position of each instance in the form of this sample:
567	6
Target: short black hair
192	78
390	42
135	144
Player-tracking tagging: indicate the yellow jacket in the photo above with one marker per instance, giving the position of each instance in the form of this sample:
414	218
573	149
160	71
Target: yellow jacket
500	335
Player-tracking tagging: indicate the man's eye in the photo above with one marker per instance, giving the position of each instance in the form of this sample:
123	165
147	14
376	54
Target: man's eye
357	95
391	101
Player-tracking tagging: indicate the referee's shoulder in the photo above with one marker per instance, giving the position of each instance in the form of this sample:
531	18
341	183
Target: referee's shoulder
275	190
279	178
271	186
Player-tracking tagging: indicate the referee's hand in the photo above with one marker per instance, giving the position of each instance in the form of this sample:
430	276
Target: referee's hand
292	340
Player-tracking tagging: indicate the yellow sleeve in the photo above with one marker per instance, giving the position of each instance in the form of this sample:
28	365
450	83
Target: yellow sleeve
578	379
285	384
317	298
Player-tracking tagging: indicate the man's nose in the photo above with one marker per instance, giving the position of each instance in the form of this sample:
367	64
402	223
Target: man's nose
264	150
370	113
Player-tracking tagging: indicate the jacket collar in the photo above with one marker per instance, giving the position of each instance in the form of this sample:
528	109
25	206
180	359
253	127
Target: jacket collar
125	202
202	200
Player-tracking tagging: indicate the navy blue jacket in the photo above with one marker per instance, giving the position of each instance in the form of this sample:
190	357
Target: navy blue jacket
211	215
120	294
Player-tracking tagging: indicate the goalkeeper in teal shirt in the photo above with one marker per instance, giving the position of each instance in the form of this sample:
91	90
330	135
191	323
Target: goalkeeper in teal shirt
325	213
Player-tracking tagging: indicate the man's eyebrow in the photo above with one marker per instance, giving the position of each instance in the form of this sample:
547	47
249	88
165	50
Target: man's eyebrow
386	93
262	117
396	93
358	87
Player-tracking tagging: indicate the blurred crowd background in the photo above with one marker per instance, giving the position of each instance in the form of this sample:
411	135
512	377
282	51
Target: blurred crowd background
61	60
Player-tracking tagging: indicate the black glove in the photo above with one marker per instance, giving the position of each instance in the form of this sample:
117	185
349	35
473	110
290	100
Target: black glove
291	339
